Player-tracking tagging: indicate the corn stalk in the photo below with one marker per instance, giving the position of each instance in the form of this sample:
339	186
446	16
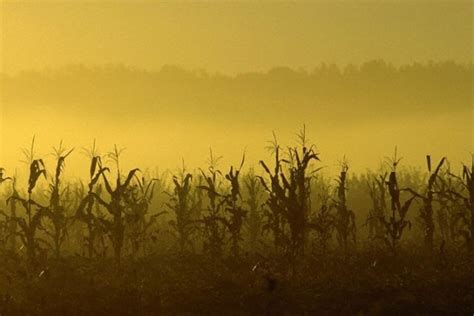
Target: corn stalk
254	220
137	199
85	210
116	207
426	212
56	211
289	196
34	212
396	223
345	218
467	183
377	192
213	221
323	221
181	205
234	207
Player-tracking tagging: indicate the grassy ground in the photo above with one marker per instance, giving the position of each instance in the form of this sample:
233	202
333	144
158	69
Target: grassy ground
364	283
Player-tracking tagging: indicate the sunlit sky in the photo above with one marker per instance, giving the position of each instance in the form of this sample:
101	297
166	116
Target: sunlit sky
232	37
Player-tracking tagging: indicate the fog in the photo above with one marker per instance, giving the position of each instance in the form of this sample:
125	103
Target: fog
170	80
162	118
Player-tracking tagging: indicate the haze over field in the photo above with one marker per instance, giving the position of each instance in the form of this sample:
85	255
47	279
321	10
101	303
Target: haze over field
388	75
233	37
139	173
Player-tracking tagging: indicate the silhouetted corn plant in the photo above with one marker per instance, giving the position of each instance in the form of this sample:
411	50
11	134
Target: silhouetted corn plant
254	219
34	211
377	191
426	212
453	216
396	223
116	206
345	218
234	207
466	195
443	216
289	194
197	197
323	221
85	210
137	199
183	208
274	210
213	221
56	210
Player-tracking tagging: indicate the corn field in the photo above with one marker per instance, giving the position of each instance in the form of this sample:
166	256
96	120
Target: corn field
277	236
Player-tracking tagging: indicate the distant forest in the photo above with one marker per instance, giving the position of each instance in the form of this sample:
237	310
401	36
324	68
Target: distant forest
373	90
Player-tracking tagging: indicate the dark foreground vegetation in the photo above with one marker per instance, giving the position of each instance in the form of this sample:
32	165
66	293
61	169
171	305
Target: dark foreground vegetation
282	239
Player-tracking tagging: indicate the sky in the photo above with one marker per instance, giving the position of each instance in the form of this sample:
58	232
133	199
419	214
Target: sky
231	37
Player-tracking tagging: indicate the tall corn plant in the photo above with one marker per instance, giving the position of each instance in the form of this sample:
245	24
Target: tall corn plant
34	211
213	220
427	197
138	199
377	192
182	206
254	219
323	221
274	210
289	194
234	207
197	197
345	218
56	211
116	205
450	207
85	210
466	195
396	223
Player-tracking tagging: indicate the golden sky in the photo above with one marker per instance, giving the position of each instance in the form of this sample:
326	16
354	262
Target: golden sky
232	37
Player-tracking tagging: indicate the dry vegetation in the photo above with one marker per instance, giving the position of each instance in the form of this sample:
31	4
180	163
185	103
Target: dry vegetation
280	239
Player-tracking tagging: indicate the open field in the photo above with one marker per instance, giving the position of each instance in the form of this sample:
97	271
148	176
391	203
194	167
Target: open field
154	157
280	238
